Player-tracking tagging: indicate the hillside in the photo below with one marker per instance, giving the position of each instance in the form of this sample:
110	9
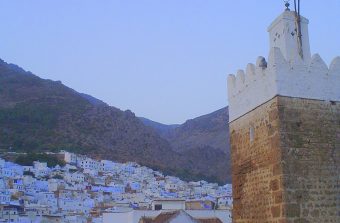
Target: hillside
206	136
39	114
161	129
207	130
204	139
44	115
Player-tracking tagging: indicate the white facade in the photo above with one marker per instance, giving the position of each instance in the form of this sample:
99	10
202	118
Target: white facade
39	165
69	157
5	197
225	202
286	74
53	184
170	186
283	35
168	205
40	168
2	163
9	215
74	177
107	165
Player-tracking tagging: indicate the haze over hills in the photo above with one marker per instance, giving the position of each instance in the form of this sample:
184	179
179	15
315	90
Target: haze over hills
44	115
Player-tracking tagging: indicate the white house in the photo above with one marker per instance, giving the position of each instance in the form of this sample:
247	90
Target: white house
70	158
107	165
40	169
168	204
74	177
225	202
5	197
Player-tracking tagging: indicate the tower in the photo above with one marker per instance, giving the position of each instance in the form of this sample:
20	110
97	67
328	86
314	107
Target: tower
285	132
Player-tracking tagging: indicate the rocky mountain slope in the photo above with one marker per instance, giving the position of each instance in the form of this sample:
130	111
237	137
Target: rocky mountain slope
37	114
202	138
44	115
161	129
207	130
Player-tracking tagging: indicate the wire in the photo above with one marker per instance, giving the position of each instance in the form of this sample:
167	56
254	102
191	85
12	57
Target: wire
298	26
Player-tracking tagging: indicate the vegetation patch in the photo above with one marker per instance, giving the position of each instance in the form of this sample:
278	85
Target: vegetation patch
28	159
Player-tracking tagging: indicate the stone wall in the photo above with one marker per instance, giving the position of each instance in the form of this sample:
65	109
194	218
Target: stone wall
286	162
256	172
310	144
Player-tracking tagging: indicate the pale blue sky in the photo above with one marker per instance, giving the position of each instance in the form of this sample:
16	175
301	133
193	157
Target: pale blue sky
166	60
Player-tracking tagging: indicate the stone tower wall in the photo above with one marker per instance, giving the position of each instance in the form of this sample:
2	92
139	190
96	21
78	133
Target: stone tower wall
285	133
288	171
310	150
256	166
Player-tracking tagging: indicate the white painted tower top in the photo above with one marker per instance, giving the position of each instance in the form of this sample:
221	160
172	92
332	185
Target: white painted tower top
283	34
290	70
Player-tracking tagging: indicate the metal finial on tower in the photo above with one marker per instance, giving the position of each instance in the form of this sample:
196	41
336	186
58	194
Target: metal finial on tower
287	4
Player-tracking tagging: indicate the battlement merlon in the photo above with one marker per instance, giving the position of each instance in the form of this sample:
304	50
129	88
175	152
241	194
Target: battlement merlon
261	82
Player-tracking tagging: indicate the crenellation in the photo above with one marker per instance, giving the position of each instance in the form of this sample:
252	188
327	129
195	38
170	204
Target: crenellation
334	67
240	80
250	72
231	83
258	84
276	60
287	73
317	65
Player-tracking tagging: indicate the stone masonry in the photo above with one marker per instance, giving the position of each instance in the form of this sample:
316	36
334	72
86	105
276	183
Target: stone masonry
289	170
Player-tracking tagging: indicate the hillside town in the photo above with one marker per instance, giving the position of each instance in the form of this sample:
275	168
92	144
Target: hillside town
83	189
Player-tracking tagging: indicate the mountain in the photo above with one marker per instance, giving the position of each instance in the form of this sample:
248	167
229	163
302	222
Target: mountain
162	129
207	130
204	140
92	100
43	115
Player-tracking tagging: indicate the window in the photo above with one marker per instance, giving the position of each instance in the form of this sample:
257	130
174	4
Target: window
251	134
158	207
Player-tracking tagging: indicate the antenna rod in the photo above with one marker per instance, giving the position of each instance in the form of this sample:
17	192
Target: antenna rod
298	26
